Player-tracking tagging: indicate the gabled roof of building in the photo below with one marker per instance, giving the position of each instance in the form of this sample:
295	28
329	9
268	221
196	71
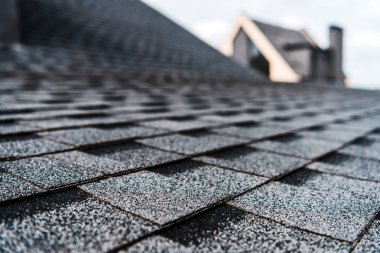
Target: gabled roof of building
117	163
284	40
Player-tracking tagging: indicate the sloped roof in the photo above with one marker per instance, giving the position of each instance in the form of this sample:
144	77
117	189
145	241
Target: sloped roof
119	36
283	38
196	167
125	164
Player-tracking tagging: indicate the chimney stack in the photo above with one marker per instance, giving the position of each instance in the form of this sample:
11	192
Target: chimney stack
9	27
336	49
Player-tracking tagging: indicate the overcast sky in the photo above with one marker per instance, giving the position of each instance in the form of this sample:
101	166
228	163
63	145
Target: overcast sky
211	20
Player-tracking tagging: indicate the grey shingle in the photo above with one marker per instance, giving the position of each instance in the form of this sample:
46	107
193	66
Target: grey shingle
252	131
215	182
367	149
134	156
157	198
317	180
91	162
298	146
340	214
90	136
227	229
230	119
12	187
13	128
191	145
254	161
172	193
28	147
67	222
342	164
370	243
334	134
178	125
50	173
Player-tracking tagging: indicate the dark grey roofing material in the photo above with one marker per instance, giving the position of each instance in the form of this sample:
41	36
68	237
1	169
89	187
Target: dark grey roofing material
156	163
101	38
174	192
12	187
371	241
75	222
337	213
192	144
227	229
342	164
90	136
16	148
298	146
147	177
254	161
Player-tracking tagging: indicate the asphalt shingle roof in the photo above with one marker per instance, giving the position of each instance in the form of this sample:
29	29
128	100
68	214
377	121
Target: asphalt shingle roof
123	163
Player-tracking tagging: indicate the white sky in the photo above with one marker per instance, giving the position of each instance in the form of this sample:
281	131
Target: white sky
211	20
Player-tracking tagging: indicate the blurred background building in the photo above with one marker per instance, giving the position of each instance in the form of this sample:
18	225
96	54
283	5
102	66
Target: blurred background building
285	55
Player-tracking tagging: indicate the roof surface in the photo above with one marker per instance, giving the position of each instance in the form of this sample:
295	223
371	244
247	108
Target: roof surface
122	163
118	37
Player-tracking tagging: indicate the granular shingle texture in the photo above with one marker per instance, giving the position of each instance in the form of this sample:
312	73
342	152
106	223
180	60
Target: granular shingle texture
50	173
90	136
298	146
15	148
169	193
67	222
192	144
12	187
371	241
335	213
227	229
121	131
342	164
254	161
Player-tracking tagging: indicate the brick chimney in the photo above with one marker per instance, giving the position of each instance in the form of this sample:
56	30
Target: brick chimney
9	25
336	50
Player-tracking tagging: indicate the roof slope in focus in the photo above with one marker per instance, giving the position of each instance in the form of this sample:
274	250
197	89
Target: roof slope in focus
102	161
190	167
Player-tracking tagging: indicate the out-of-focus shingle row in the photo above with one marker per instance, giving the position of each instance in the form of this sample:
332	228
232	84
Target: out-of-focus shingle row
206	167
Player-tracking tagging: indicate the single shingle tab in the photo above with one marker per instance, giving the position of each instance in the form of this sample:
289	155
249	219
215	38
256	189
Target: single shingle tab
71	221
15	148
334	134
172	192
370	242
91	136
134	155
342	164
50	173
227	229
298	146
92	162
365	148
12	187
178	125
254	161
318	180
157	198
14	128
215	182
339	214
191	145
252	130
